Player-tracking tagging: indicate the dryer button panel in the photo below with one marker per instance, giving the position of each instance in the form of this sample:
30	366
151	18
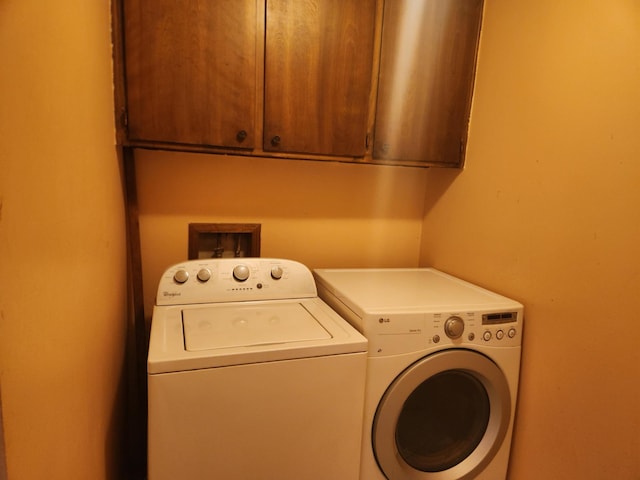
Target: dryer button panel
500	329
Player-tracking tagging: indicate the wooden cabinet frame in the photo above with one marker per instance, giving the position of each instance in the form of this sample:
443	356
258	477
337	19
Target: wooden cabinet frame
452	156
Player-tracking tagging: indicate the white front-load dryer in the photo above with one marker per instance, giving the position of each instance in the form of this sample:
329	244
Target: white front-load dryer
442	372
251	376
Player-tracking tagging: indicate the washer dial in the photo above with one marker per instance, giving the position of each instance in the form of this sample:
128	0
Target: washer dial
181	276
204	274
276	272
241	272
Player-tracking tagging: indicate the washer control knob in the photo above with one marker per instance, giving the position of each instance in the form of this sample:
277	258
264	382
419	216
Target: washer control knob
486	336
204	274
241	272
453	327
181	276
276	272
512	332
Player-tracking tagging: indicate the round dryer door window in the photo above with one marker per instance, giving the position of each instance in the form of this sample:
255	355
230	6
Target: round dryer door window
444	417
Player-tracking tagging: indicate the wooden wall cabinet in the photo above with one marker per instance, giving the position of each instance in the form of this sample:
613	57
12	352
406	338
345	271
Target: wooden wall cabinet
369	81
318	71
193	74
427	69
190	72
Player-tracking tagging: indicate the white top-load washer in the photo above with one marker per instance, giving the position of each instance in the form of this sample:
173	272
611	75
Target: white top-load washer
442	371
251	376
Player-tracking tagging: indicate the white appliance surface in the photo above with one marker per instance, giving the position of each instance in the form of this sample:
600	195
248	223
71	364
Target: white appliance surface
262	324
223	321
215	335
251	375
391	290
404	310
427	319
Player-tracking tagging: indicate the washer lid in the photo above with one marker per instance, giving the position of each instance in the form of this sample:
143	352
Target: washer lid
191	337
224	326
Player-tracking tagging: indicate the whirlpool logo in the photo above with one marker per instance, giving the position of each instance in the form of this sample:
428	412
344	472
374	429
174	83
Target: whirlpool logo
171	294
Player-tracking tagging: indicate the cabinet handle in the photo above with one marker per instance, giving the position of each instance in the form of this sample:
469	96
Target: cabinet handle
275	141
241	136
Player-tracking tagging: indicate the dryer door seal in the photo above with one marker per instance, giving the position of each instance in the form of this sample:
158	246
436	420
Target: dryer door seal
444	417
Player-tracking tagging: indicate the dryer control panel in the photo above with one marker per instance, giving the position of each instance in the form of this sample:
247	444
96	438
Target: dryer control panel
474	328
234	280
408	332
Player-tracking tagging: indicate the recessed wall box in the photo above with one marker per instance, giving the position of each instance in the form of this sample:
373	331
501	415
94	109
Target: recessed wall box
223	240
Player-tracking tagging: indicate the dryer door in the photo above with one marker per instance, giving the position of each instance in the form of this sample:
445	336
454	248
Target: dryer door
444	417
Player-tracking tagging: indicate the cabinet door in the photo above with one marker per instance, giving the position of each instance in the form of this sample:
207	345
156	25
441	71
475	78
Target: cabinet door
319	56
191	71
427	67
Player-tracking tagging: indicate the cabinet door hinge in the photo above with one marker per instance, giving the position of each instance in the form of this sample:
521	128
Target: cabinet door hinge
124	118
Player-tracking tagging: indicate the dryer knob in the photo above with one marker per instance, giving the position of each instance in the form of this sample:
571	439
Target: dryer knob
241	273
453	327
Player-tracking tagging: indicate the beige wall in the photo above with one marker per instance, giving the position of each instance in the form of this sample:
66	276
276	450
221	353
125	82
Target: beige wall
321	214
62	245
548	211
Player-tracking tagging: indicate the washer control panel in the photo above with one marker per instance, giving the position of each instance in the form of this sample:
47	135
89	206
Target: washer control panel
234	280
